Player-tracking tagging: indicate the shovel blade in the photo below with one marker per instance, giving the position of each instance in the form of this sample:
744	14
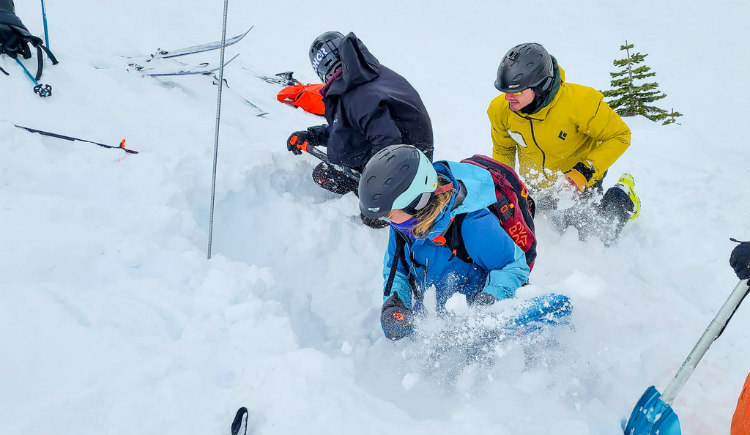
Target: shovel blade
651	416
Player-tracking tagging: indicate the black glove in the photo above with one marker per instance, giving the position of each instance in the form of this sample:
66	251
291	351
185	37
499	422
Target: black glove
740	260
481	298
297	142
396	319
318	135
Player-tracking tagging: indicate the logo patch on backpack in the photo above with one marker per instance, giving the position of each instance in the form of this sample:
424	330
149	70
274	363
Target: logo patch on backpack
562	135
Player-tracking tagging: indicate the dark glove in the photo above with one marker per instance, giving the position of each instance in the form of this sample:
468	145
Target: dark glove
396	319
297	142
740	260
481	298
318	135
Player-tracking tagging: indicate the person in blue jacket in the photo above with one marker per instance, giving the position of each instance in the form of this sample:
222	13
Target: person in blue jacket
420	199
367	106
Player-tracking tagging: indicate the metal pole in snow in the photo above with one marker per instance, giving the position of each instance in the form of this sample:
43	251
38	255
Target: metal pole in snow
216	133
44	19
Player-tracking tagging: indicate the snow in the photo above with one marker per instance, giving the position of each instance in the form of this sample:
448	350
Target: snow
112	320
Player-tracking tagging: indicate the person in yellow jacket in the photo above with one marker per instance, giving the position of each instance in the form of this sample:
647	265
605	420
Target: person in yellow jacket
556	128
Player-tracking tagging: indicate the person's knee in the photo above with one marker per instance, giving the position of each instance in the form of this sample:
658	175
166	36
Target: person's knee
616	204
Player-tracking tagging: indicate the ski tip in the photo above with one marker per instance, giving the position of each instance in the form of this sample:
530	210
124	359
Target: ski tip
237	422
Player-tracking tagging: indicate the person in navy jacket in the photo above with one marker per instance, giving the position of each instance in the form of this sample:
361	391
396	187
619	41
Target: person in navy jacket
367	107
420	199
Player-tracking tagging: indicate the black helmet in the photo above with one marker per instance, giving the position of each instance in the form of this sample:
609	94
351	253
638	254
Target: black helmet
396	177
324	53
525	66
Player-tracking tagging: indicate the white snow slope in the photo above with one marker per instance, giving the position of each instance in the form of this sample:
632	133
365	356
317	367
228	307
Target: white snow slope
112	320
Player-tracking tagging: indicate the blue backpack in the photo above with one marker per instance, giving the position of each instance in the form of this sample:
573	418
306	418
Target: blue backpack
15	38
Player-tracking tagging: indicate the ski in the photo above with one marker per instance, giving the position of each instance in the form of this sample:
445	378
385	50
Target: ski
282	78
285	78
240	421
166	54
73	139
259	112
180	69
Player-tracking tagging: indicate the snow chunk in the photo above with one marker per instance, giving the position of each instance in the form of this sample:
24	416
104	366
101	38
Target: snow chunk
410	380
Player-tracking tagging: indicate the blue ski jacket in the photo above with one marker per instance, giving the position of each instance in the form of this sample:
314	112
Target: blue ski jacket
499	266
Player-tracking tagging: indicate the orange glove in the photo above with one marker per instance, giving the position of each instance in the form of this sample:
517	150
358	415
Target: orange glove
579	176
576	179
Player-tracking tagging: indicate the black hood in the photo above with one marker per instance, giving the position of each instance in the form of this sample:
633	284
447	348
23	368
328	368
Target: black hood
358	65
7	6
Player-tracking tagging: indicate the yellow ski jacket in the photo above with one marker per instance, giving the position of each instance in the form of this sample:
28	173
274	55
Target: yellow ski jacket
576	126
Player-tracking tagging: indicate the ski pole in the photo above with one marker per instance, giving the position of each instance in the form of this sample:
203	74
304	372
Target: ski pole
320	155
44	19
70	138
39	89
216	129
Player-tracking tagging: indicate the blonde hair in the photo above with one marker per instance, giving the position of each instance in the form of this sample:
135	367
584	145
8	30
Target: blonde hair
426	217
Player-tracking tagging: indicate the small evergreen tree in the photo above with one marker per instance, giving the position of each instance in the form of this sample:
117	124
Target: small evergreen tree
631	97
671	118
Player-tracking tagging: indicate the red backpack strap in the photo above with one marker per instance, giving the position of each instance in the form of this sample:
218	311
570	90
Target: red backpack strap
514	206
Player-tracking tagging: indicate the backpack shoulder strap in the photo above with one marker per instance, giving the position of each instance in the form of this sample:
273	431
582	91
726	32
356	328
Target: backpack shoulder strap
399	256
455	241
40	61
452	237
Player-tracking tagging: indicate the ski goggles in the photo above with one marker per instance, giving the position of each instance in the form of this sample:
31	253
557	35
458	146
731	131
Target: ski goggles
413	207
419	202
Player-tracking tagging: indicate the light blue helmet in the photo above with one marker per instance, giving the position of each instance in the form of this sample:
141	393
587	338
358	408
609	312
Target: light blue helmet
398	177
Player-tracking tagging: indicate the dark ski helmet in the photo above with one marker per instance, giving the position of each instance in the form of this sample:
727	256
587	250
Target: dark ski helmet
525	66
324	53
396	177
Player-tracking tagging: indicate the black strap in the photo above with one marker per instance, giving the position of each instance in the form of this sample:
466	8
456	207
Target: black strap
237	423
39	63
50	55
398	256
455	241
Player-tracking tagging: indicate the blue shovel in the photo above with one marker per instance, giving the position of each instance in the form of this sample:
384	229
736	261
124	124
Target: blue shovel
653	414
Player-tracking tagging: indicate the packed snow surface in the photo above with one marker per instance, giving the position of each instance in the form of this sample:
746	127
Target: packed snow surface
112	319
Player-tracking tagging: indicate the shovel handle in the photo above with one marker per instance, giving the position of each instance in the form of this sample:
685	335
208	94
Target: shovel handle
712	332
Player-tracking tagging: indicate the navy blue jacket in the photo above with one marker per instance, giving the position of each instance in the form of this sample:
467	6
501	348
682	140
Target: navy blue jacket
370	107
